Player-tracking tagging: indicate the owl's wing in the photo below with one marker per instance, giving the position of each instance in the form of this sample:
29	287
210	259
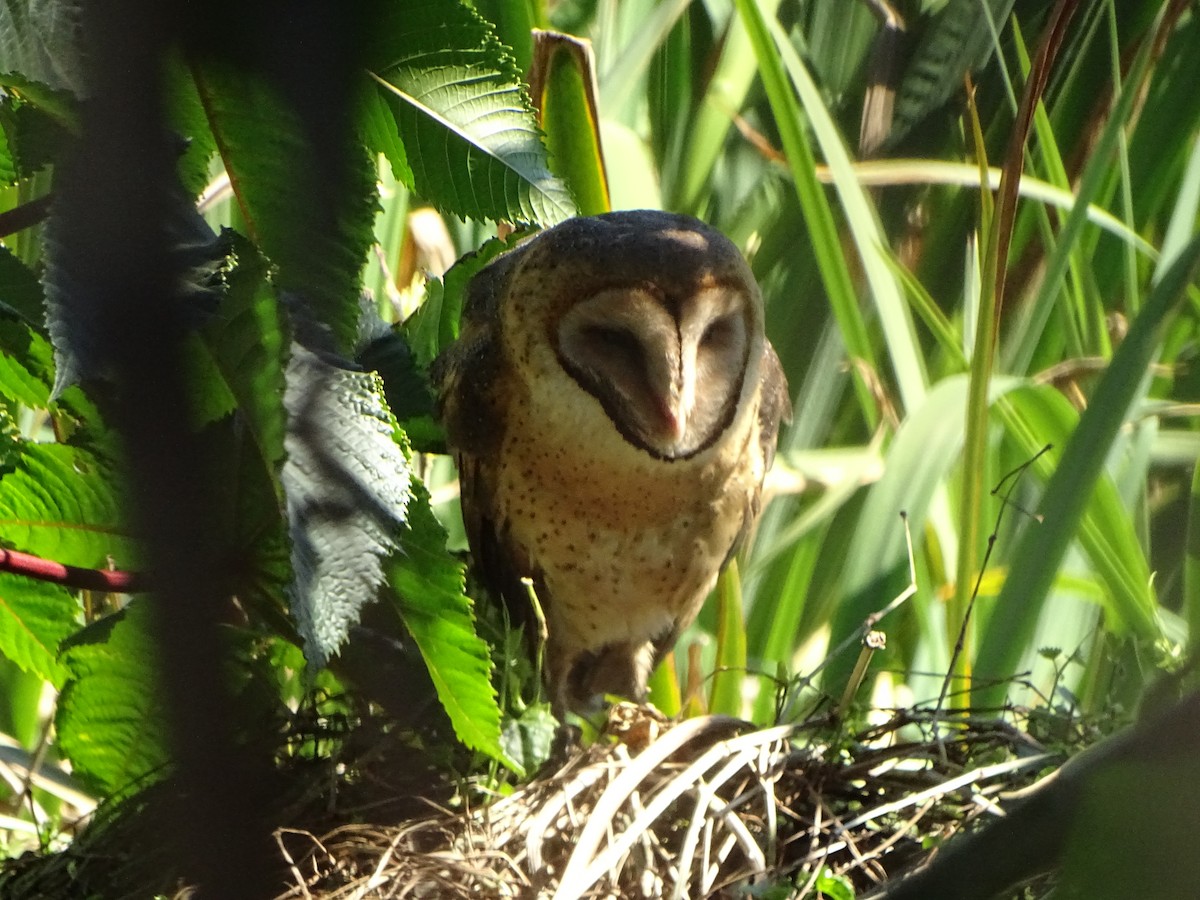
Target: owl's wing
468	375
474	383
774	407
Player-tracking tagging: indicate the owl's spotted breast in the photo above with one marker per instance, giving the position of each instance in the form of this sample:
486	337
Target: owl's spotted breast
613	404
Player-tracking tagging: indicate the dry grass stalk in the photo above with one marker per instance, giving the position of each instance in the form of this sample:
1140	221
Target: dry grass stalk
708	804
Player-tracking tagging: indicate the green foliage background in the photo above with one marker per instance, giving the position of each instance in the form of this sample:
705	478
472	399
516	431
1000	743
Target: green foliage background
915	387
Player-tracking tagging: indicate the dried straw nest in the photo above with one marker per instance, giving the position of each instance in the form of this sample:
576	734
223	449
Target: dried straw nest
702	808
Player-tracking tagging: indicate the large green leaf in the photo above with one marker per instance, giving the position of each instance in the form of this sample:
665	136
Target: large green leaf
187	117
248	343
42	42
469	142
109	718
315	225
960	38
435	324
429	591
19	288
198	258
60	504
24	355
564	75
35	618
347	483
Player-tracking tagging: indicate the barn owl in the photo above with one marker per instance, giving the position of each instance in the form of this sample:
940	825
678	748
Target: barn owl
613	404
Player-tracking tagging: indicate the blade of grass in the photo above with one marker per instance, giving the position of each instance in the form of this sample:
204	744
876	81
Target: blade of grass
1040	550
996	240
1022	346
699	146
562	84
863	223
726	696
920	458
1191	568
791	121
959	633
894	172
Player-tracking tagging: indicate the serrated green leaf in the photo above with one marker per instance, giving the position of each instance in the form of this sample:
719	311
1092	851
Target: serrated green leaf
435	324
42	41
31	137
23	350
60	504
249	348
209	397
8	156
186	116
468	131
408	393
35	618
378	127
19	288
429	592
198	258
958	40
315	225
347	483
110	715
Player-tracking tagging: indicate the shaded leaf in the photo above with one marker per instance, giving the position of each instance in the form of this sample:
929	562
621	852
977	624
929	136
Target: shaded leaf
41	40
347	483
187	118
31	136
432	327
408	394
198	255
957	41
19	288
8	154
248	343
528	739
315	225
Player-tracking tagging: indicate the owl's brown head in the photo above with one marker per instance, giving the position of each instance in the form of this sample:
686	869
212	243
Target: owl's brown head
658	318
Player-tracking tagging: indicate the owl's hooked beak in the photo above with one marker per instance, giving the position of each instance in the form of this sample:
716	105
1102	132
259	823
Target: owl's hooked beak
677	406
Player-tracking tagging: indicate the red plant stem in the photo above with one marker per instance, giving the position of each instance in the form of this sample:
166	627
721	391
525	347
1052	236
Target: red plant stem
30	566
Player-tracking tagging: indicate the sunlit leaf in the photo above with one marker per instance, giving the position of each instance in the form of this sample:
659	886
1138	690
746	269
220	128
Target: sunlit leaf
110	714
466	127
